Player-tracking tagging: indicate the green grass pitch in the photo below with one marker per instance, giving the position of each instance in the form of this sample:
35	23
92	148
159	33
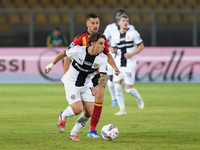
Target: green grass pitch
170	119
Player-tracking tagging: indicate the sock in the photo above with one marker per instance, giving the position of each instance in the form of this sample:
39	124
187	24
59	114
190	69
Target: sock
68	112
120	97
111	89
133	92
95	116
80	123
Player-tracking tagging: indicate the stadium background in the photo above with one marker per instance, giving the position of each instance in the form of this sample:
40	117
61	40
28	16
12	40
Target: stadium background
26	23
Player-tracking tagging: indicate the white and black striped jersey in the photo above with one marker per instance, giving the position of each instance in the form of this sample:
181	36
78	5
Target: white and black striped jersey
83	66
112	28
125	43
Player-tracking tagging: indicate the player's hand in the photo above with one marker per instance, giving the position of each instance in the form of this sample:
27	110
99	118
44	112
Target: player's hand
95	90
117	72
127	55
48	68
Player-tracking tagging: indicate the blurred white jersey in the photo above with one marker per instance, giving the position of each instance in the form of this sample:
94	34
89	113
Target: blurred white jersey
83	66
125	43
112	28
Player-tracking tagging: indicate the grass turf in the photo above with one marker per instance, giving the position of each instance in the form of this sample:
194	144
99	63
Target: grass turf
170	119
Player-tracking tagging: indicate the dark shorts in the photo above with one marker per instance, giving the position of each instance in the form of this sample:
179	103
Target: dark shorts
95	79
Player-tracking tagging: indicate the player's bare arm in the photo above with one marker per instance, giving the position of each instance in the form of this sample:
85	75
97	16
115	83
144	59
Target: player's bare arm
101	83
138	50
112	63
60	56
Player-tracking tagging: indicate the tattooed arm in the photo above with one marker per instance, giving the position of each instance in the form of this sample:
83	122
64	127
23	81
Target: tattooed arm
101	83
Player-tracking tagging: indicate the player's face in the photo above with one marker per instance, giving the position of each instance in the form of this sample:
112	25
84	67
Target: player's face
93	25
99	46
123	23
56	33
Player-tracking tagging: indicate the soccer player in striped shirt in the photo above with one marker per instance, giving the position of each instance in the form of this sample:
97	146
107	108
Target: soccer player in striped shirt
92	23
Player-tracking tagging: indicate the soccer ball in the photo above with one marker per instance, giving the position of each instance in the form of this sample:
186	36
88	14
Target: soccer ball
109	132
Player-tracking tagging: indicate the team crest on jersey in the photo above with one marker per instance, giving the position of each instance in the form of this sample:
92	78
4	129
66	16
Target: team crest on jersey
95	65
72	97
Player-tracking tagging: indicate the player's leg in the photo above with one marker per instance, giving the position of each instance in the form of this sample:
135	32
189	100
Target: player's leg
119	92
120	98
88	105
111	86
75	107
96	114
129	81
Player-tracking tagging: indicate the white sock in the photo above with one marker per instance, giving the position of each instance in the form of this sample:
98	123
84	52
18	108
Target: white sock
133	92
80	123
68	112
120	96
111	88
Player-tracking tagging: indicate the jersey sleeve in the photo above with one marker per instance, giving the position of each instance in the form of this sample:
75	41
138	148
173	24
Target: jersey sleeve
106	50
131	27
137	39
76	41
70	52
103	67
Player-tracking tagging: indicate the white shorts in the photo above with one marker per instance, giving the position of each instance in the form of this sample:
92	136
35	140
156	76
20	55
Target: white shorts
126	74
74	94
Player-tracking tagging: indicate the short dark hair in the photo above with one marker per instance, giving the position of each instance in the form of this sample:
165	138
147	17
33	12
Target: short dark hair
95	37
57	29
92	15
120	11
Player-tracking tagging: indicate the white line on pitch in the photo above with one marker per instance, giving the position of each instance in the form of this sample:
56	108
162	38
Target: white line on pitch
163	131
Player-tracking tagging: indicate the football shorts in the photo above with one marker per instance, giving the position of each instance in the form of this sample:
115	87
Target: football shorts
74	94
126	74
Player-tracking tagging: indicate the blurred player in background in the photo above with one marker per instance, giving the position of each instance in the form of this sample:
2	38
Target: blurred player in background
109	30
57	39
126	43
92	23
86	61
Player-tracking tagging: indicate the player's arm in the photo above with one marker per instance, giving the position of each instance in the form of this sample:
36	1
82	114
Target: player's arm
76	41
113	49
112	63
102	82
110	59
138	50
60	56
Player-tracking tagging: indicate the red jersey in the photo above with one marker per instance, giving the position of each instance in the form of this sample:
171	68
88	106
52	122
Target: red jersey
82	40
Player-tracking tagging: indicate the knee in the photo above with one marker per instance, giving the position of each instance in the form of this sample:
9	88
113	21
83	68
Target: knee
128	91
77	111
118	88
99	99
99	96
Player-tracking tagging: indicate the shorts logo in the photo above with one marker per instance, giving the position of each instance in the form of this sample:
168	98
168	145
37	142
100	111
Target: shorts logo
72	97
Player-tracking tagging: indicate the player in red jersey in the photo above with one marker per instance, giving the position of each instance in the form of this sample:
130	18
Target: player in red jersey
92	23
